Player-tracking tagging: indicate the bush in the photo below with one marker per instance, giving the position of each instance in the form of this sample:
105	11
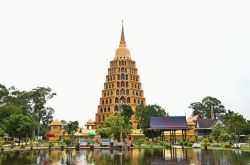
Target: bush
227	145
185	143
151	144
138	141
51	145
164	144
22	146
12	145
215	145
157	139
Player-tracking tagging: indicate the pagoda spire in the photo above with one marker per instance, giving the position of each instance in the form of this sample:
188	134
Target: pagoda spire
122	41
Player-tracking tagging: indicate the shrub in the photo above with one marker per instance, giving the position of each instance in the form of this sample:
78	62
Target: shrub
190	144
157	139
22	146
164	144
227	145
151	144
138	141
185	143
215	145
51	145
12	145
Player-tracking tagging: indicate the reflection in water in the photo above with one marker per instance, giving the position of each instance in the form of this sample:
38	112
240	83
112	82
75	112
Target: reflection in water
134	157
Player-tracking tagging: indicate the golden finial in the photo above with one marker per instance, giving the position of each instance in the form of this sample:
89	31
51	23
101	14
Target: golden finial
122	41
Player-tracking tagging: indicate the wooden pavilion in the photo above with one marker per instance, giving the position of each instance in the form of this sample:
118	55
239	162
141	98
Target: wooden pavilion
170	124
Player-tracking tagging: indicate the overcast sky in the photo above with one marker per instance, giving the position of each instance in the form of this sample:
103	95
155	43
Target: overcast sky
184	51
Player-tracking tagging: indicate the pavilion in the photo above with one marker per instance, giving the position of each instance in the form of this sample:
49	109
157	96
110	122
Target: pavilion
170	124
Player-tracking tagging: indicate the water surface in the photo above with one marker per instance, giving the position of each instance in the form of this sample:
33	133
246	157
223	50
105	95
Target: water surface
133	157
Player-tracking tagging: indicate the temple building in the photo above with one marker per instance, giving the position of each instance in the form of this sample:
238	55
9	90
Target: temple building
122	85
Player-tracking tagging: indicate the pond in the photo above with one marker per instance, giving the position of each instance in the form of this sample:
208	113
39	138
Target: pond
133	157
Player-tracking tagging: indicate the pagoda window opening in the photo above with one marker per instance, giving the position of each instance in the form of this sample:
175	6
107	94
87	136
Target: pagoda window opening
135	85
122	92
106	86
122	63
126	76
133	92
110	101
109	86
123	77
108	110
102	102
112	85
131	78
117	92
118	77
106	101
119	70
127	84
134	101
99	118
118	84
122	70
136	93
116	100
140	94
127	92
116	108
122	100
122	84
104	94
105	109
136	78
112	92
125	70
125	63
128	100
103	118
101	110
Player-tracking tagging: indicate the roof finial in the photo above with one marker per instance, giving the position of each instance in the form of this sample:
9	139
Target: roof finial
122	41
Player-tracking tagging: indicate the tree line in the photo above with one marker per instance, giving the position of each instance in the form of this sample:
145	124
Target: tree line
24	114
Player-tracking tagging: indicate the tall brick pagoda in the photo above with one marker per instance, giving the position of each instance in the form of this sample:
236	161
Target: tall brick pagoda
122	85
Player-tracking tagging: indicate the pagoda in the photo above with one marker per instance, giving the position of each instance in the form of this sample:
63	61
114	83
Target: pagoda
122	85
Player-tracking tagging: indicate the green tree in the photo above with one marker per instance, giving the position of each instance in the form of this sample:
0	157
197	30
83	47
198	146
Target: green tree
104	132
234	122
21	126
143	114
43	114
116	125
71	128
127	113
216	132
204	108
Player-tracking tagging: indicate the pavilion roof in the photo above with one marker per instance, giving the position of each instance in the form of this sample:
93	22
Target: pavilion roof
55	122
168	123
194	118
90	122
206	123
